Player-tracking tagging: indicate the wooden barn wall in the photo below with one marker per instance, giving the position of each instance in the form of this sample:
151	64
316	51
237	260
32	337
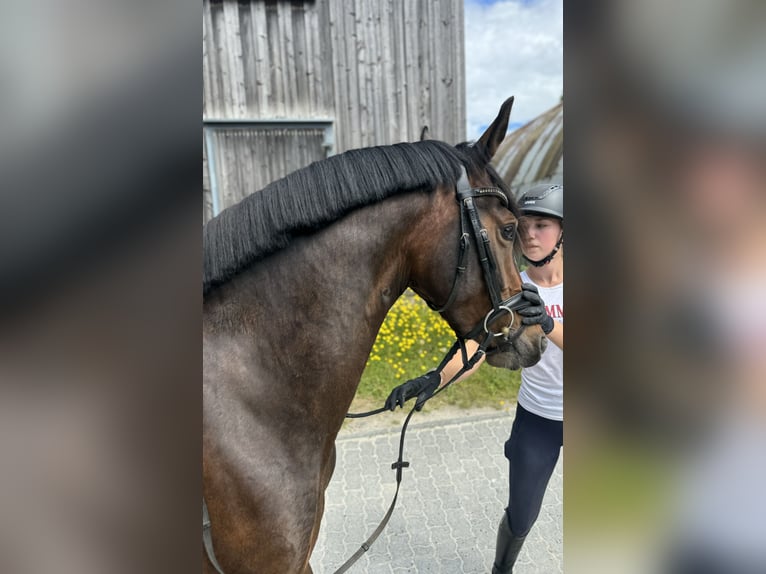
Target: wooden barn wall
377	69
381	68
398	65
266	59
248	159
207	198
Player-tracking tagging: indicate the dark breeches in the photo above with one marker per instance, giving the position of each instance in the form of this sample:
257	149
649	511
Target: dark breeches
532	452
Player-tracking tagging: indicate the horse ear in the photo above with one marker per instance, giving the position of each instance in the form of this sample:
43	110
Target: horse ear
424	134
491	139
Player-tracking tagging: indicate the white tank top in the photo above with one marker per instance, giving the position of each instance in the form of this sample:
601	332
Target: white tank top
542	385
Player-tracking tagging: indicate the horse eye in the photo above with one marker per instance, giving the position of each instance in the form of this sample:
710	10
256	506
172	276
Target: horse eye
509	231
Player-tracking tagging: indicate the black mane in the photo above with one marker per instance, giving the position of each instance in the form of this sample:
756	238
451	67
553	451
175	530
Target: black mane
315	196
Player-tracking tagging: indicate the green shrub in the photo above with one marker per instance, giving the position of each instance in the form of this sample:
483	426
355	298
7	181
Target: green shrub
413	340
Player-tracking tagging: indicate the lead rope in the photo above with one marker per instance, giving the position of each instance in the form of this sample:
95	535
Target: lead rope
400	463
207	538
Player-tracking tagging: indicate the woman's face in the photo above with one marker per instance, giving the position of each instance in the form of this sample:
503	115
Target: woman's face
538	235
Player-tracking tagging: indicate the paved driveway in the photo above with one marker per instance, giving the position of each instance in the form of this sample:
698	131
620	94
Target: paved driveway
451	500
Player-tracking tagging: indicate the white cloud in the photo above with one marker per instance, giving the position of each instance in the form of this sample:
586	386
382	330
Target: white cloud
512	48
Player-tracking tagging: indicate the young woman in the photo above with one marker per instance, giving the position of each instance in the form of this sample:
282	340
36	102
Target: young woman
537	435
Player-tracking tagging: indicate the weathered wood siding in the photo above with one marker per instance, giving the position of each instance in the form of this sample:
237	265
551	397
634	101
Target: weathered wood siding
207	199
398	65
378	70
247	159
266	59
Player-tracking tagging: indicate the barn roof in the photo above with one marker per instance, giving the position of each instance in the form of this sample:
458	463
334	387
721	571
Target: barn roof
533	153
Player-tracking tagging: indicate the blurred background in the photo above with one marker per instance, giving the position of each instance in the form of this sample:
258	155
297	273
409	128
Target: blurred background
665	370
99	263
99	270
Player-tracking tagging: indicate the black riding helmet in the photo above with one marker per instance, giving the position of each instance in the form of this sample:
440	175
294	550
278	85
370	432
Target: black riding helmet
546	200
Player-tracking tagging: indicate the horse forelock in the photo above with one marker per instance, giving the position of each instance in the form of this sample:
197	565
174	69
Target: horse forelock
315	196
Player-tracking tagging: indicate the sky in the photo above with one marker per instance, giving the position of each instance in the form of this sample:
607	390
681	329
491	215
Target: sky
512	48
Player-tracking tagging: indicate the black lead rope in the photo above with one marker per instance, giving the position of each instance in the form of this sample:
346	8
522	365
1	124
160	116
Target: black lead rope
398	466
400	463
365	414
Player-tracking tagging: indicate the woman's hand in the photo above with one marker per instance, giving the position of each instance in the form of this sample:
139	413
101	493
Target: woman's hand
422	387
535	314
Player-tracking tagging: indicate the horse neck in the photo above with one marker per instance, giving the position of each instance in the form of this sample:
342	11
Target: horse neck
356	269
313	310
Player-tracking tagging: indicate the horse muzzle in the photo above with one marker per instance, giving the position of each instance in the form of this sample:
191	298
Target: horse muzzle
517	348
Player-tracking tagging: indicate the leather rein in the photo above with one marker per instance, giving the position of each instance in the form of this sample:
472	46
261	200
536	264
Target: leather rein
470	227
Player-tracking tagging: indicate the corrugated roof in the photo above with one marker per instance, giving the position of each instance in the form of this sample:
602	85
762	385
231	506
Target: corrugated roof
533	153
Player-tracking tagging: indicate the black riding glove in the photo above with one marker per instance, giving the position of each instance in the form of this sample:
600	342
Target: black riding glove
421	387
535	314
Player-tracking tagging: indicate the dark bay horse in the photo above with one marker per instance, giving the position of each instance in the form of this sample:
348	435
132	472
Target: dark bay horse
298	278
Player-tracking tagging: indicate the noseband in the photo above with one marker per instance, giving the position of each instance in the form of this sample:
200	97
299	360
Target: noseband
470	226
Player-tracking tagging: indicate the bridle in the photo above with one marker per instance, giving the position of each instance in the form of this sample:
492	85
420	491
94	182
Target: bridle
470	226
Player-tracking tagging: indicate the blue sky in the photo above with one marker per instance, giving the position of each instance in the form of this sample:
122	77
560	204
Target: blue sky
513	48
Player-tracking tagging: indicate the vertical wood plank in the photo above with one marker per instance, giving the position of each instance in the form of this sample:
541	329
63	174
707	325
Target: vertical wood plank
303	48
222	60
352	48
302	107
247	31
399	27
262	73
235	85
207	199
342	69
221	171
276	96
366	68
447	81
437	88
388	87
460	72
378	84
288	57
411	65
209	94
325	57
424	64
214	59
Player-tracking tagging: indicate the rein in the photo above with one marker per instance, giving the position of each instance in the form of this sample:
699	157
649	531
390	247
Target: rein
470	226
400	463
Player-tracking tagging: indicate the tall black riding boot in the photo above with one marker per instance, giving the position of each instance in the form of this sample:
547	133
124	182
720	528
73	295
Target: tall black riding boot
507	549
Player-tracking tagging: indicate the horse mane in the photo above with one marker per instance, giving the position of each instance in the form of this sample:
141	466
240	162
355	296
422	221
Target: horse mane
313	197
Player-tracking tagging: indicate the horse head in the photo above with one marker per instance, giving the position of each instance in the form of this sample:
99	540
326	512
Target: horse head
465	267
